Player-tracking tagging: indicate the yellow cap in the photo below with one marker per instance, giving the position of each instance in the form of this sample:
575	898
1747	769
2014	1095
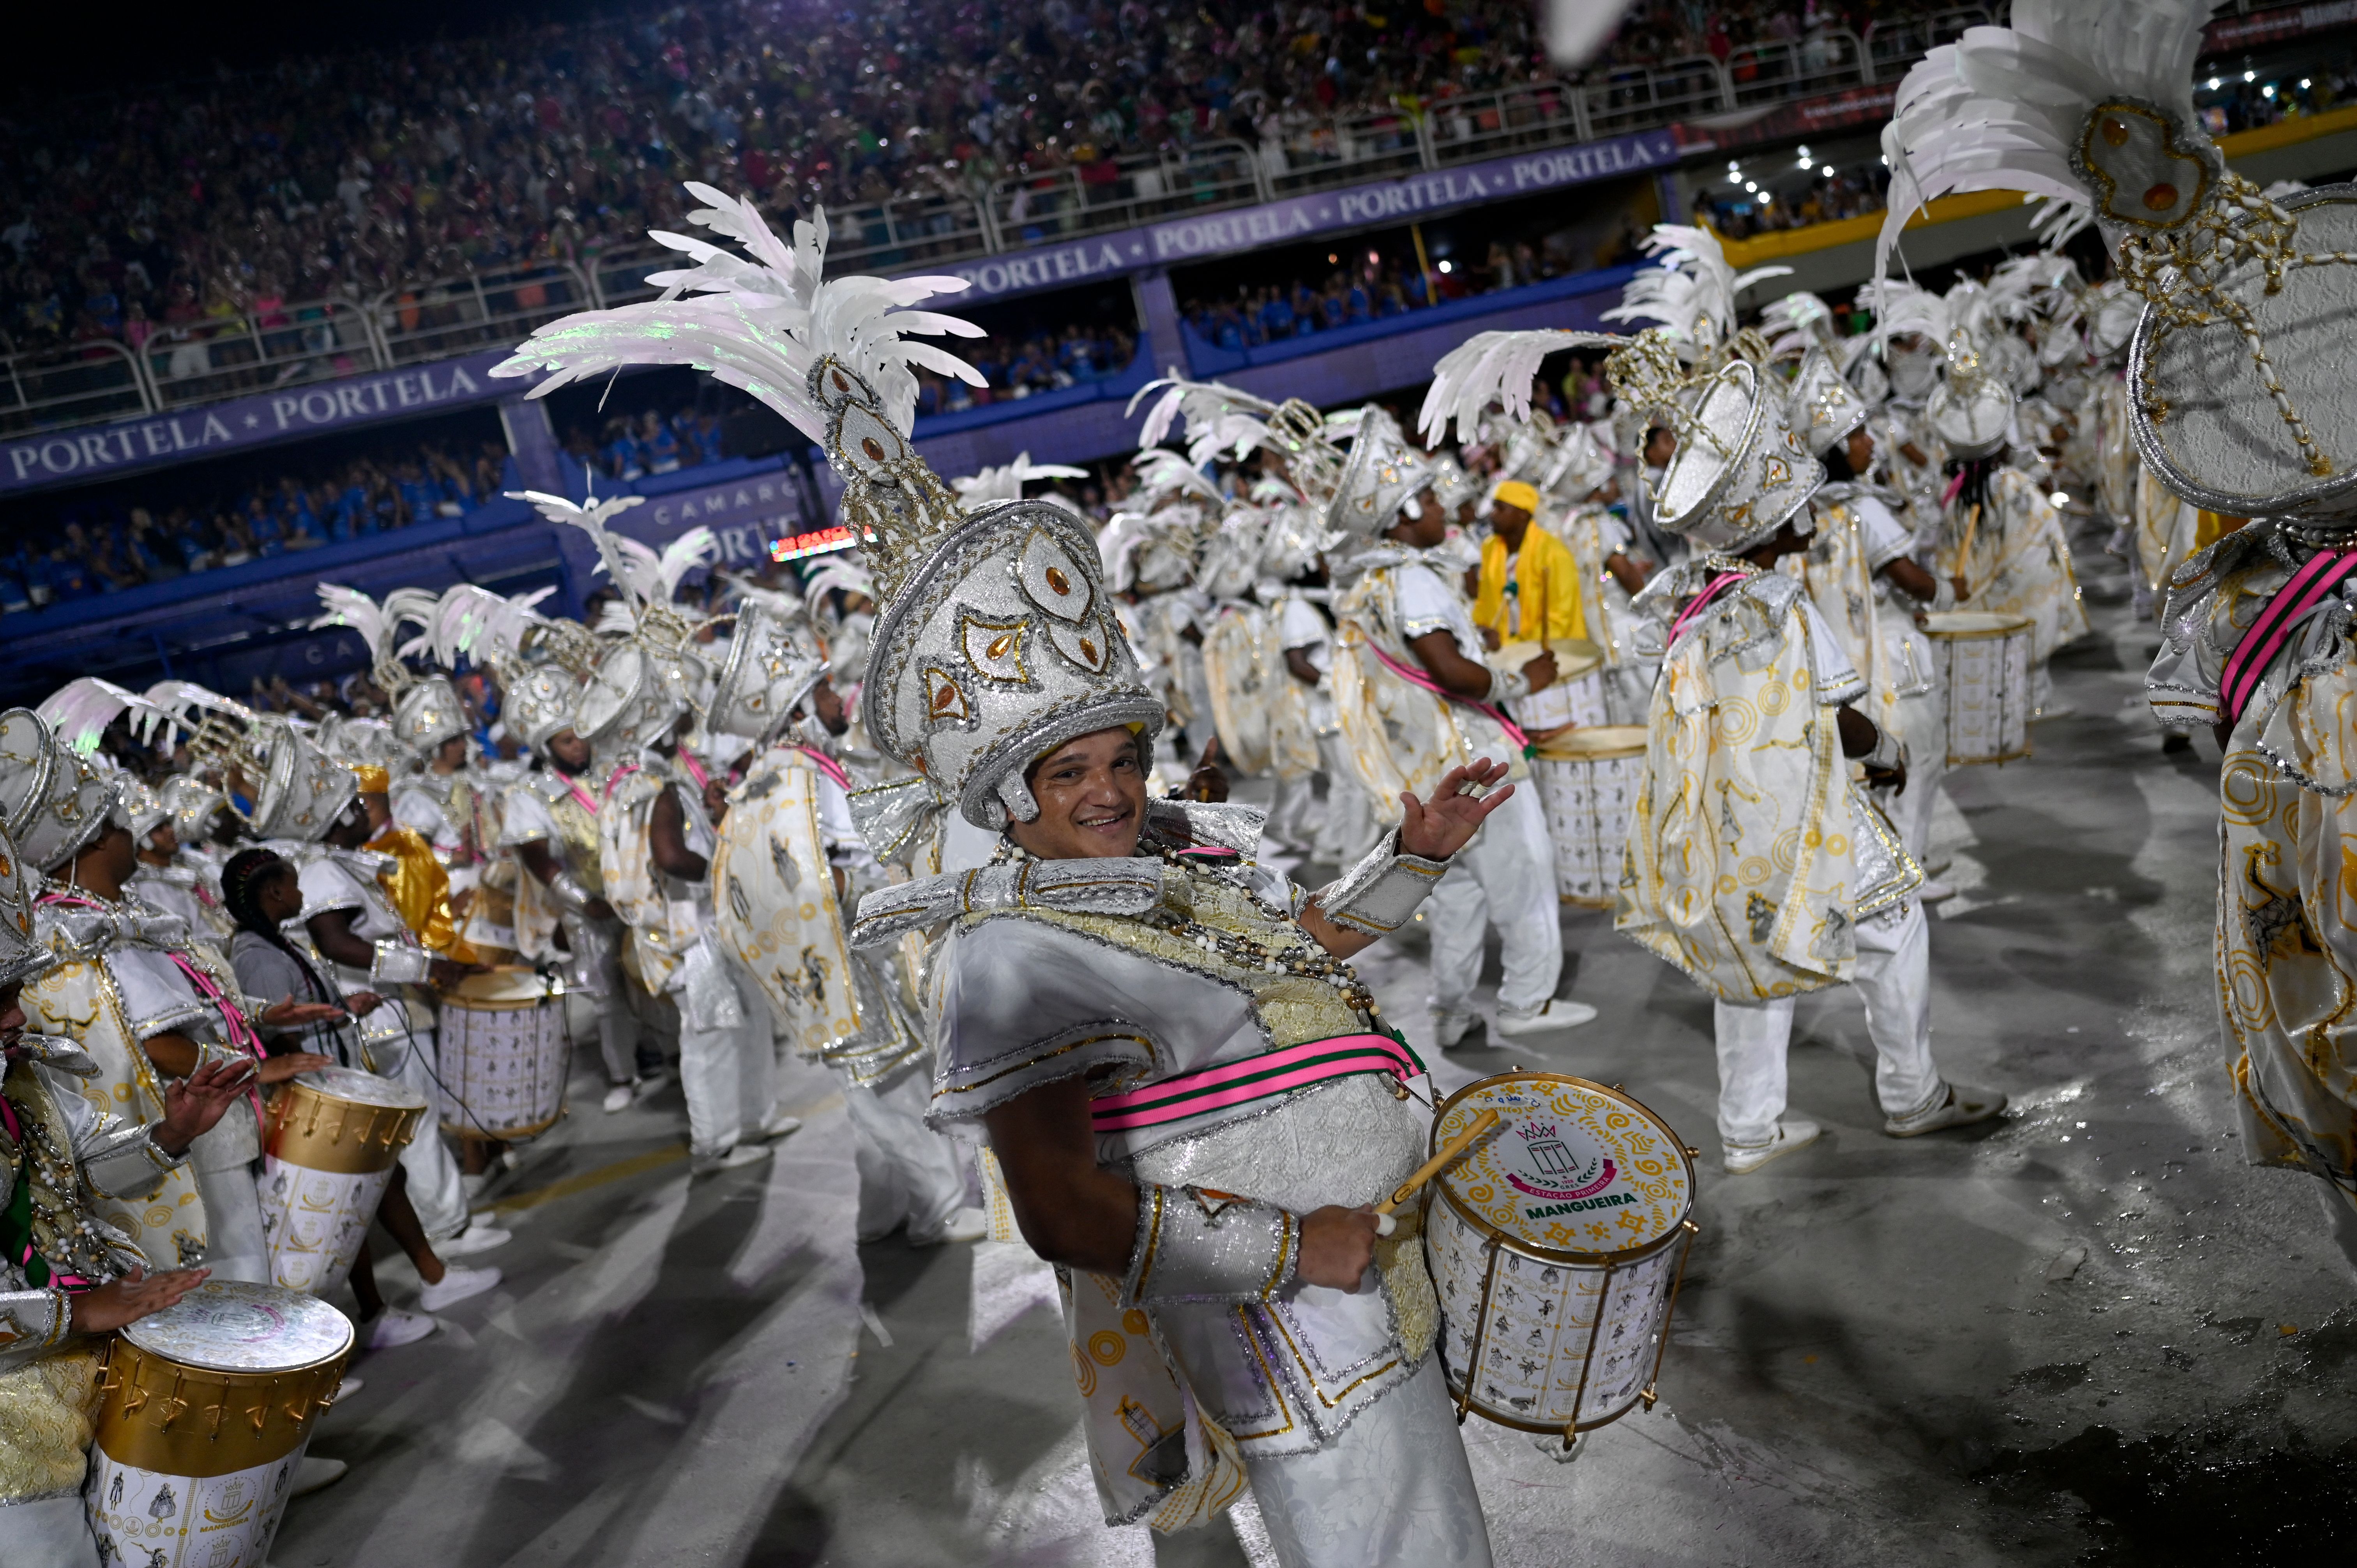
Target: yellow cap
375	781
1515	493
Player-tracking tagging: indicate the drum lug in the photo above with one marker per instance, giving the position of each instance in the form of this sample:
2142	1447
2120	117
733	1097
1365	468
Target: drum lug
1648	1396
260	1416
1692	1152
135	1400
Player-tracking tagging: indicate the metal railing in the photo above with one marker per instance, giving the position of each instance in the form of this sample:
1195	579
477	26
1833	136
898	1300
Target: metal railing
1123	192
475	310
879	236
275	346
1826	61
76	384
1343	150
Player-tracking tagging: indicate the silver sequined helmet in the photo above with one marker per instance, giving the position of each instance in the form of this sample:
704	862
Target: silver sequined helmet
770	665
1826	407
1740	471
53	802
22	953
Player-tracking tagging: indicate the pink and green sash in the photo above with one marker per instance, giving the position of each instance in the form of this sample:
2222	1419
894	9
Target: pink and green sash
1264	1077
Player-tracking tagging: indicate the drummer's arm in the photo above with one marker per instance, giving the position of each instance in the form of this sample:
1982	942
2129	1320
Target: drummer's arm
1910	578
667	841
541	862
176	1056
1460	676
1075	1212
1625	572
1298	665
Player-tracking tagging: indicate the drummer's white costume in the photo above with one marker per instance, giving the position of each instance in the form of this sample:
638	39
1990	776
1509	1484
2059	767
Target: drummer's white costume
396	1040
1402	736
2256	639
72	1153
996	643
111	983
1754	863
629	712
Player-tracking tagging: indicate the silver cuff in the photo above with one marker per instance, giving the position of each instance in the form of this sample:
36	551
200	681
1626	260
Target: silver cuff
1889	751
398	963
1507	686
34	1319
1194	1245
1376	897
570	896
1944	597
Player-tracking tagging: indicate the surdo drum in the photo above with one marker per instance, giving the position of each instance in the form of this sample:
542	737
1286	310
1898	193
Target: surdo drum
1557	1245
504	1055
1576	695
328	1148
1984	660
204	1411
1587	781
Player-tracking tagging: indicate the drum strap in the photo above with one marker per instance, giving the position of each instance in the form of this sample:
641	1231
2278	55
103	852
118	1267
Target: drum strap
2309	587
1416	677
1704	600
1263	1077
828	765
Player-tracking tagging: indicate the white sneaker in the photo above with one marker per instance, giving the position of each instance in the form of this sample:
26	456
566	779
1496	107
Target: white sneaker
779	1125
741	1154
314	1473
1793	1133
618	1099
476	1237
1934	891
456	1284
394	1327
968	1224
1448	1028
1558	1013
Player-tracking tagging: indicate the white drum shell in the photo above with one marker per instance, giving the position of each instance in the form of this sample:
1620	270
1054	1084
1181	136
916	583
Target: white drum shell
314	1221
1577	701
1987	681
183	1521
503	1068
1588	800
1542	1326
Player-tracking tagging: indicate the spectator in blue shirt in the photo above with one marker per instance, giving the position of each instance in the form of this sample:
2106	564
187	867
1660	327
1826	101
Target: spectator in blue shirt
1276	317
659	444
623	460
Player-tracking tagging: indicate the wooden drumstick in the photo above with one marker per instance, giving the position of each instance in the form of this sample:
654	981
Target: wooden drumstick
1964	556
1456	1149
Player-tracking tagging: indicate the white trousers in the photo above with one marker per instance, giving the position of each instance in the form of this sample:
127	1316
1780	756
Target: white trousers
1893	979
1394	1491
1505	876
49	1532
1922	724
1293	813
729	1074
906	1171
235	1248
1349	830
434	1189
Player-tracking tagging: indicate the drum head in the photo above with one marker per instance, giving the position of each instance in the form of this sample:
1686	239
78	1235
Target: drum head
361	1088
1575	1170
1974	623
1591	742
1574	656
229	1327
507	986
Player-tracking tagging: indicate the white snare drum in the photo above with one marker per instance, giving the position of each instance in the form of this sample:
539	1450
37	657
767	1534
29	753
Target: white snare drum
504	1055
1557	1247
330	1143
1983	660
1576	695
205	1410
1588	782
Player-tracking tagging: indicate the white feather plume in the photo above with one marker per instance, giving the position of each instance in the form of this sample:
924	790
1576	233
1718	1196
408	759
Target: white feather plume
78	712
1218	418
1694	291
1162	473
1494	368
474	624
1005	482
2001	108
830	573
350	607
761	323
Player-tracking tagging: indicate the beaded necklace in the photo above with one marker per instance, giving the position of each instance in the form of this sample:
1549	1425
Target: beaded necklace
1298	952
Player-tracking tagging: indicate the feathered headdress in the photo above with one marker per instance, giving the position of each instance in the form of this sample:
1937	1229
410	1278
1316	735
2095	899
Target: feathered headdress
835	357
1693	293
1221	420
79	711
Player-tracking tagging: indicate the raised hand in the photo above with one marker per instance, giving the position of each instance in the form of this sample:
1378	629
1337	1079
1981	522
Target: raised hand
278	1070
194	1103
289	1013
1439	829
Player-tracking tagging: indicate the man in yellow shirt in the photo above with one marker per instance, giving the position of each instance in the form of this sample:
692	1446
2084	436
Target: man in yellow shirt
1530	581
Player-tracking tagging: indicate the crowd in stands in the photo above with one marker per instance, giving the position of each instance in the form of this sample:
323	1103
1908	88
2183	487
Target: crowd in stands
161	209
103	547
1024	364
634	445
1828	194
1384	286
